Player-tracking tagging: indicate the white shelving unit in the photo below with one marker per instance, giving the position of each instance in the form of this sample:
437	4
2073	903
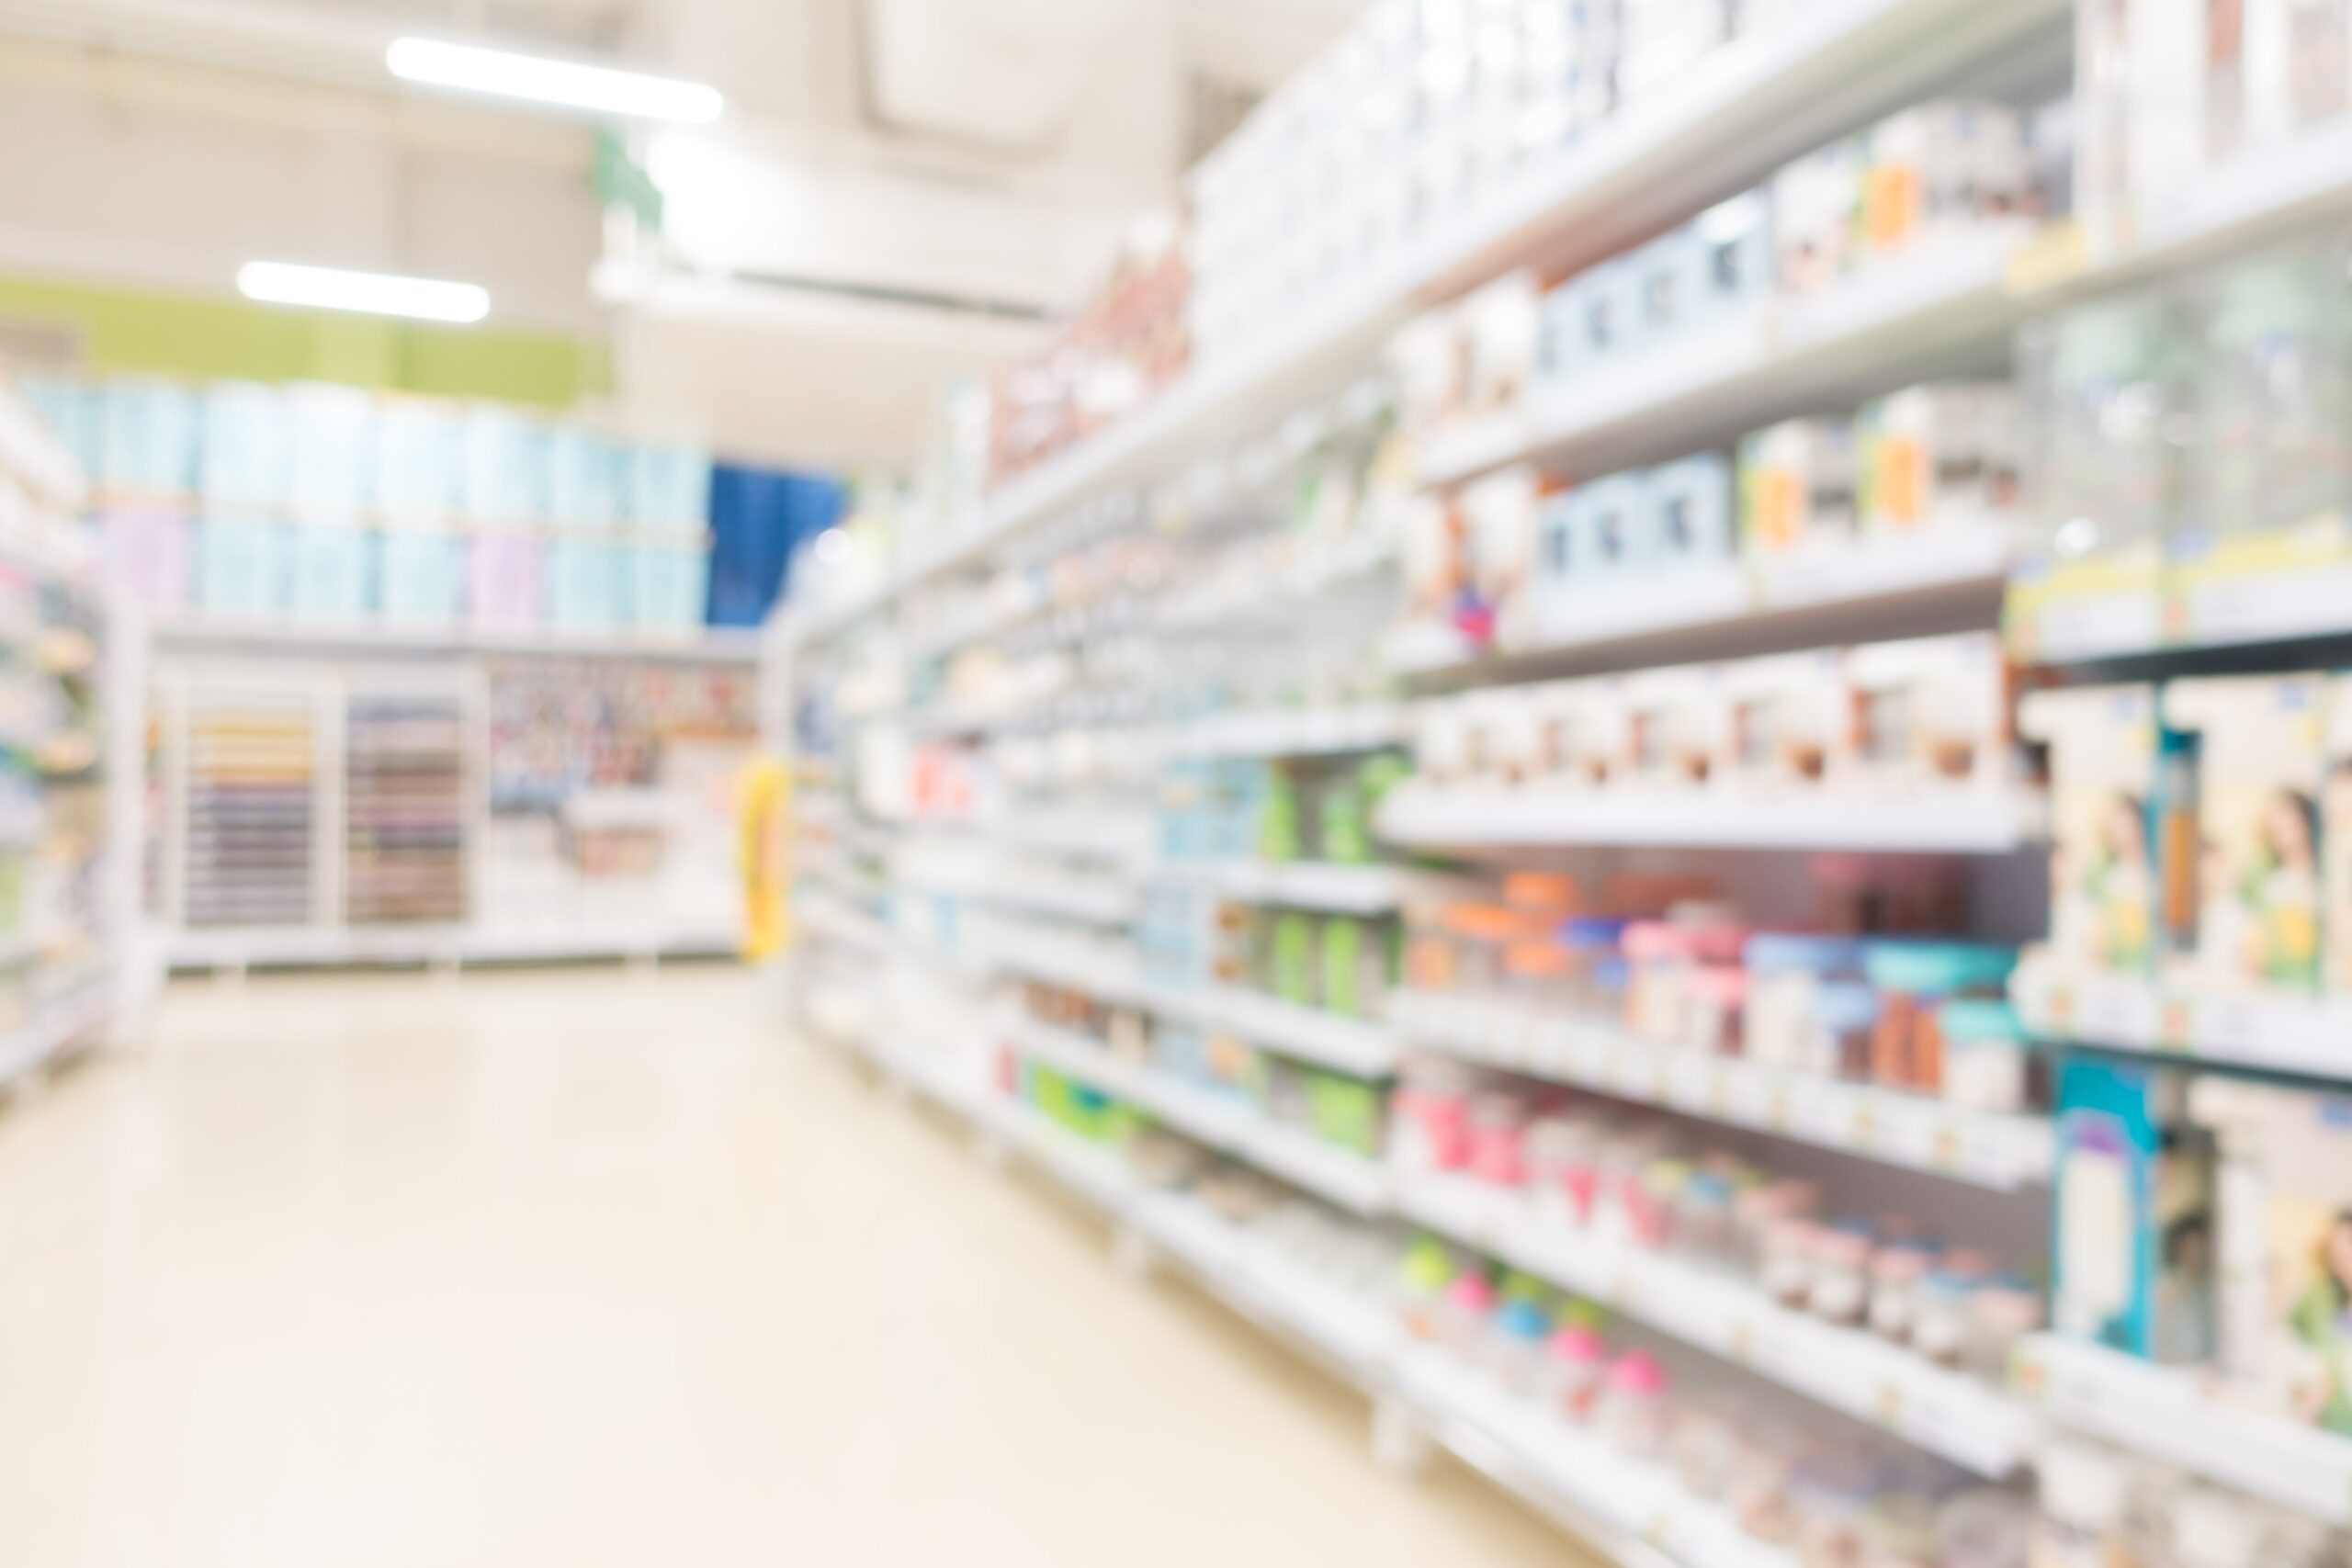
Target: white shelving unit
1962	1418
1751	370
1984	821
2002	1152
1350	1180
1298	885
217	635
1729	122
2168	1415
1629	1512
1353	1045
2181	1020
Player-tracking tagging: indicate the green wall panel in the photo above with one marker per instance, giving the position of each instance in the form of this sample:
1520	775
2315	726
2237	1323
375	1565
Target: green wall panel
205	339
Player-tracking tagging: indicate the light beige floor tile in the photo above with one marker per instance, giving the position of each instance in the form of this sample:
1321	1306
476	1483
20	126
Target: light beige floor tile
587	1268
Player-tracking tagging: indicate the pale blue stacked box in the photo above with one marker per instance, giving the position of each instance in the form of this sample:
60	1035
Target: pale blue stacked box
505	462
421	576
148	443
584	591
330	446
244	566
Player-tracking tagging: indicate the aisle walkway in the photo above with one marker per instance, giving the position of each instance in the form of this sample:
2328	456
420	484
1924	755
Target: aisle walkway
584	1270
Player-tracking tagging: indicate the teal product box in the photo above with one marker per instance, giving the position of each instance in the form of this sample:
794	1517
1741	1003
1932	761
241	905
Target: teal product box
243	567
332	573
2134	1228
505	454
420	458
423	576
581	474
151	427
241	464
329	444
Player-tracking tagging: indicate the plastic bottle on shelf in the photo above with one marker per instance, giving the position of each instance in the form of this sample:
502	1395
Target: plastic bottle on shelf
1575	1360
2085	1491
1633	1412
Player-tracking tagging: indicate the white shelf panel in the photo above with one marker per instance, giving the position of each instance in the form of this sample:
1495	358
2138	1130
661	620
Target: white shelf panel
1081	968
1966	1421
1801	600
331	945
1984	1148
1974	822
1354	1334
1726	123
1299	884
2169	1414
1753	368
839	921
1289	732
1227	1126
210	633
1351	1045
1574	1473
2310	1035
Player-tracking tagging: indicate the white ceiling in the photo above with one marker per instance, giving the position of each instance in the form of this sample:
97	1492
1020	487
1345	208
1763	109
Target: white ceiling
989	150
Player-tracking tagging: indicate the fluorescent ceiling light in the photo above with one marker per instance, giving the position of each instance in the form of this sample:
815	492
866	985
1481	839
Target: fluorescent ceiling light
377	293
598	88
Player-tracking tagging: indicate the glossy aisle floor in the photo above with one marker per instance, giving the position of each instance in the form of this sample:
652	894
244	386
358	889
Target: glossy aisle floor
589	1269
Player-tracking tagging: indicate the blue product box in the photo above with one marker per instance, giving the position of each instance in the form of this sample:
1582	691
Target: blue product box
243	462
580	480
420	458
1690	512
329	444
334	572
243	567
151	431
422	580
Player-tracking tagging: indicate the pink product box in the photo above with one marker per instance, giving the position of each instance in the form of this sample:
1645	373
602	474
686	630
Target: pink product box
505	575
148	555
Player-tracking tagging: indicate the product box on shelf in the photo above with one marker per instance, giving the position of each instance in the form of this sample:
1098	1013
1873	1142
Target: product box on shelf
1933	714
1499	513
2284	1268
1675	724
581	492
1791	725
331	444
243	460
505	570
244	566
2136	1265
1690	519
419	467
1940	454
1939	171
150	554
422	576
150	432
333	574
2262	763
1798	485
504	456
1498	327
2122	816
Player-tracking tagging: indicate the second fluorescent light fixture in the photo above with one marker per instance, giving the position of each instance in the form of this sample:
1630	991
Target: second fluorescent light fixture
600	89
376	293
